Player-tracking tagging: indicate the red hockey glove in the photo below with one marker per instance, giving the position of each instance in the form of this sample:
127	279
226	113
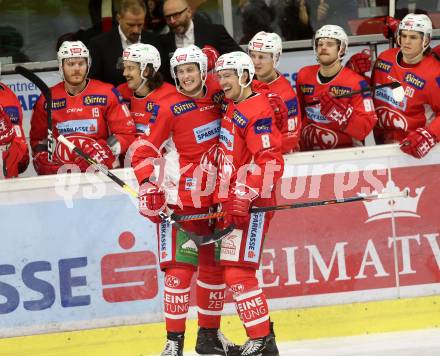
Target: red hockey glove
100	152
390	27
43	166
334	110
151	201
418	143
360	62
237	211
7	132
15	158
279	109
212	55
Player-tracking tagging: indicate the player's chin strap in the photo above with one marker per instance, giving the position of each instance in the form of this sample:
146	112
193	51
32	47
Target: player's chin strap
307	204
198	240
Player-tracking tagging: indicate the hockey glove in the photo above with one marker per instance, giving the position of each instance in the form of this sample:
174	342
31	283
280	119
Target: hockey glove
43	166
390	27
418	143
212	55
360	62
100	152
151	201
15	158
7	132
279	109
334	110
237	212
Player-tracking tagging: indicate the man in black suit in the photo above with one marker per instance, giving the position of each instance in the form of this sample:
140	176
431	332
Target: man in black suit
106	48
186	30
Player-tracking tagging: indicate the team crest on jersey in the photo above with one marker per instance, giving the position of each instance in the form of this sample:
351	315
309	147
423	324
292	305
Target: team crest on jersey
91	100
239	119
58	104
339	90
292	107
207	132
414	80
307	89
383	66
390	119
263	126
86	126
65	155
152	108
183	107
318	138
13	114
218	97
227	139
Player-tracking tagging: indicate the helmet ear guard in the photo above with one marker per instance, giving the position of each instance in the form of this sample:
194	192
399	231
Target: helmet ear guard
238	61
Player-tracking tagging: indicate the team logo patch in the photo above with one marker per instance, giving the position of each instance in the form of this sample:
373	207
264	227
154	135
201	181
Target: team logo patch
263	126
92	100
183	107
292	107
218	97
152	108
314	114
254	238
118	95
13	114
386	95
239	119
65	155
339	90
391	119
207	132
58	104
383	66
227	139
307	89
318	138
87	126
414	80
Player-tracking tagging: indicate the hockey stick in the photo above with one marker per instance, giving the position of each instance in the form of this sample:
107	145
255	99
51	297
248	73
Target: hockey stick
403	194
45	90
198	240
398	92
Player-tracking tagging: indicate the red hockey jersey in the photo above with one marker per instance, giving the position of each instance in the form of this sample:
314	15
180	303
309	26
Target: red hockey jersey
187	130
249	154
420	106
319	133
97	112
292	128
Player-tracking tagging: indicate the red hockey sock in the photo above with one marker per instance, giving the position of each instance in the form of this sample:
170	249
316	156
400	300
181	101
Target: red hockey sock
211	291
250	301
176	297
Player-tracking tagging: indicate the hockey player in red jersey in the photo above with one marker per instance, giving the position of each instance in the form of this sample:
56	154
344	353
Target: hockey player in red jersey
88	112
184	125
13	148
333	122
265	50
415	121
250	162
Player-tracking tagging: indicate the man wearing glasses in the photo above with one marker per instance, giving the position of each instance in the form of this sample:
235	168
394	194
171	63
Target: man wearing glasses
185	30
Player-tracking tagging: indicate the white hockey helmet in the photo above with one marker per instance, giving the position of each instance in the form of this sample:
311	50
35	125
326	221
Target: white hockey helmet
186	55
143	54
268	42
72	49
238	61
332	31
417	22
